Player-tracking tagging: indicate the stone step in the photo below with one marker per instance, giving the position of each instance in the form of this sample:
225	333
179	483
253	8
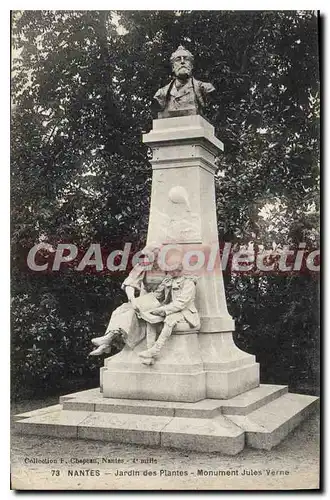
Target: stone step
40	411
242	404
252	400
269	425
217	434
94	425
57	423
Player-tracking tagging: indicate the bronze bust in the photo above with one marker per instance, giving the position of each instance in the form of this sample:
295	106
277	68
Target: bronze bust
184	95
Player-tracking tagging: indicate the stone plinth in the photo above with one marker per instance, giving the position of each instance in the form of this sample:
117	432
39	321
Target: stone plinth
183	211
229	371
192	367
178	375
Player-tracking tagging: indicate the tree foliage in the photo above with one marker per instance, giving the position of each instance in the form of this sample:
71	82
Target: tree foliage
82	90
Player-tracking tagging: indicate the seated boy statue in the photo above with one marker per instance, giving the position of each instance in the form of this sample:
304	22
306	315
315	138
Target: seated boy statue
176	294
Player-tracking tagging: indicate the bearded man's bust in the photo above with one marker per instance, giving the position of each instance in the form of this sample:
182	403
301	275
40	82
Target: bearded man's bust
184	95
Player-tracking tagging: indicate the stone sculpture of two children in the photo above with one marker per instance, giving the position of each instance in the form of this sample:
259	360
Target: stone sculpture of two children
176	298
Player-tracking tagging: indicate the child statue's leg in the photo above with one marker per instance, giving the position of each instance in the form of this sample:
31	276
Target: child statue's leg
103	344
153	352
151	335
105	339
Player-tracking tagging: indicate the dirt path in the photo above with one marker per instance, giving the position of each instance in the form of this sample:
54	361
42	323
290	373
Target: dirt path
294	464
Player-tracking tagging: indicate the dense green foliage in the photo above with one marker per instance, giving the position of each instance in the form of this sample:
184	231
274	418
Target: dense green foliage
82	92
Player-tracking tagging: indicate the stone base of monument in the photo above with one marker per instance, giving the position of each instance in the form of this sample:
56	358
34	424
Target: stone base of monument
191	367
176	376
259	418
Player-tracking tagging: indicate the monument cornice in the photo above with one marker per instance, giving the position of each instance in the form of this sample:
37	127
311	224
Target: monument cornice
184	130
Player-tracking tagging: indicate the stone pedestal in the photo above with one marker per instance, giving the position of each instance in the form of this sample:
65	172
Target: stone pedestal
183	153
192	367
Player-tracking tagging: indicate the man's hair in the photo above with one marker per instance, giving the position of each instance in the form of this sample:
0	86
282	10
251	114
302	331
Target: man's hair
180	49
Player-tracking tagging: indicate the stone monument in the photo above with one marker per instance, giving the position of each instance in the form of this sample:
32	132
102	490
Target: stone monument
191	387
